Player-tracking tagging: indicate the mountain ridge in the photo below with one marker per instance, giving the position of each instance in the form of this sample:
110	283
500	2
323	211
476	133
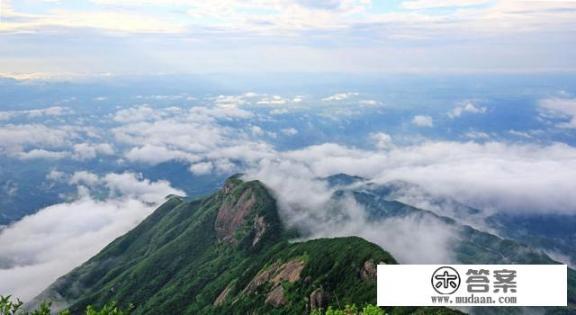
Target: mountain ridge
230	253
227	253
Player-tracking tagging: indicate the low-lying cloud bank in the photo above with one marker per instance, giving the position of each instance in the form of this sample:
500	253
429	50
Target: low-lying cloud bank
493	176
560	108
225	138
44	246
305	203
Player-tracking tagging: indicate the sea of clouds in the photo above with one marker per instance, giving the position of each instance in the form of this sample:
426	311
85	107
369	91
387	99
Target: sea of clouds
224	137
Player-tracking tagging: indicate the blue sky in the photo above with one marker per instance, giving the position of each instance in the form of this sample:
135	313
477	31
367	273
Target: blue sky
59	37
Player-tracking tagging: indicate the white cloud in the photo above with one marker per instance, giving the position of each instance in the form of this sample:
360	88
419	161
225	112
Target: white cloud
14	137
494	176
193	136
491	174
130	185
202	168
297	99
42	154
303	200
413	239
138	113
433	4
273	100
255	99
174	134
45	246
10	188
290	131
279	111
125	185
87	151
156	154
34	113
339	97
42	247
80	151
225	166
257	131
36	141
520	133
39	141
423	121
82	178
55	175
369	103
466	107
382	140
517	33
232	101
478	135
118	21
561	107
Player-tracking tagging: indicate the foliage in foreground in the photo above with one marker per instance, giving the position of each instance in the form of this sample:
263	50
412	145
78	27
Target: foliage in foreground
8	307
370	309
351	310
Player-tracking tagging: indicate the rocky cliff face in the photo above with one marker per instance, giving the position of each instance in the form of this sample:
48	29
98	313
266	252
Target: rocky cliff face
236	219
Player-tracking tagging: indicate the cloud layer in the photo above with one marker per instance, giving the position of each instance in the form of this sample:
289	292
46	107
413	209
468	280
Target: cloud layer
287	35
485	173
491	175
234	133
561	108
42	247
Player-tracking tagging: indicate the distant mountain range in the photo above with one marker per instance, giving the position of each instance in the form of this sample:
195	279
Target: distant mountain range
551	233
230	253
473	246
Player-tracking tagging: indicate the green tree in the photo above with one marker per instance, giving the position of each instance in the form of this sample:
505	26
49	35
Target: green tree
8	307
350	310
109	309
372	310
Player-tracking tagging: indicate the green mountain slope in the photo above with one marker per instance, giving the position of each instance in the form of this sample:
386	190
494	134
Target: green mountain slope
225	254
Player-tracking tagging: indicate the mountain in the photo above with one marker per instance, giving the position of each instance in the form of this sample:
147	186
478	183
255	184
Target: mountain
551	233
555	233
472	246
224	254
